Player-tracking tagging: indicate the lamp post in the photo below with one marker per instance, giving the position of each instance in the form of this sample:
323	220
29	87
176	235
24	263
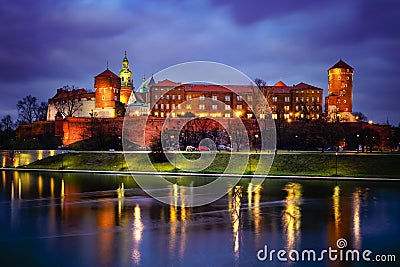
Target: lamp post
336	155
256	143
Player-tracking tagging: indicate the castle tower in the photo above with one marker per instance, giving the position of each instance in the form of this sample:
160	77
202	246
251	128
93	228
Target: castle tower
340	88
125	75
107	86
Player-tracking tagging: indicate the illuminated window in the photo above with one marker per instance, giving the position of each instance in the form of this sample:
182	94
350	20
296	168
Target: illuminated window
167	106
239	107
274	99
287	99
156	106
286	108
227	98
162	106
227	115
227	107
201	98
214	97
103	97
312	99
249	115
239	98
173	97
249	98
297	108
188	106
167	97
173	106
179	97
274	116
201	107
189	97
286	116
297	99
156	97
156	114
214	107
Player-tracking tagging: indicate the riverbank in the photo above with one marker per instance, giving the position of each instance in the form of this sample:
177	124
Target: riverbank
353	165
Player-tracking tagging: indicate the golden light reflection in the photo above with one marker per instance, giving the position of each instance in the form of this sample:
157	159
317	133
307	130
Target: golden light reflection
40	154
12	190
3	176
356	218
291	216
235	216
3	163
19	189
336	207
51	152
256	209
40	185
52	187
62	195
137	232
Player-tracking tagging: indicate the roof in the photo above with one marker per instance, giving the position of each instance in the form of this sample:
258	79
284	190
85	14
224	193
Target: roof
341	65
107	73
279	89
167	82
280	83
305	86
74	93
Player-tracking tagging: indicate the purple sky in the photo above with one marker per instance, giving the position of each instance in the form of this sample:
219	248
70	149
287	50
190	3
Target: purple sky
47	44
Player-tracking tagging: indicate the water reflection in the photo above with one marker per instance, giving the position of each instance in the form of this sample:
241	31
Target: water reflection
137	232
291	216
56	216
235	215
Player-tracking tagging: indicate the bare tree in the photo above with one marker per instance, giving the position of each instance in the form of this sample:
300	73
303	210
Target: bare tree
41	111
7	123
26	109
68	103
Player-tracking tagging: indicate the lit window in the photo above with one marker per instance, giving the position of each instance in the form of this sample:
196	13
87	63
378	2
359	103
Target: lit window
227	98
227	107
239	107
239	98
249	115
173	97
201	107
344	101
297	108
179	97
274	99
167	106
156	97
201	98
286	108
297	99
214	107
318	99
162	106
312	99
189	97
214	97
179	106
274	116
188	106
249	98
156	114
167	97
103	97
286	116
162	114
287	99
156	106
173	106
227	115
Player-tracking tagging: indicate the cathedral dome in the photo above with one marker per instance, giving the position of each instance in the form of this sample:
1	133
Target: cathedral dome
280	83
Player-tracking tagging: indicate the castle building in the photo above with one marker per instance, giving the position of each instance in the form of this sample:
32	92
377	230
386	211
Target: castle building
171	99
110	90
340	89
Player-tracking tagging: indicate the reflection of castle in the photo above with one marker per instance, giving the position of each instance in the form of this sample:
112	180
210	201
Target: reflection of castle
111	92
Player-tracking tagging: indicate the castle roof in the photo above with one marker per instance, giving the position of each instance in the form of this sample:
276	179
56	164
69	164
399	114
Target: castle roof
280	83
305	86
167	82
341	65
107	73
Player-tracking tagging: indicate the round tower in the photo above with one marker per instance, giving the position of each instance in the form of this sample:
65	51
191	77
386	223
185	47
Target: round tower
340	88
125	75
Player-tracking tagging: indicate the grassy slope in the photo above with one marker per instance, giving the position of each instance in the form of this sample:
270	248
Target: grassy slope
319	164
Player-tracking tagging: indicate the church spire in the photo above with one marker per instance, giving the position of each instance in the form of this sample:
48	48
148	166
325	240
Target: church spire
143	88
125	73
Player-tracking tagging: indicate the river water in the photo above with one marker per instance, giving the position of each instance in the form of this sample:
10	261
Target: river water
53	219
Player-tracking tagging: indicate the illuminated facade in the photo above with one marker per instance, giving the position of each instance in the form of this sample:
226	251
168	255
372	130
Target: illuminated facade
340	89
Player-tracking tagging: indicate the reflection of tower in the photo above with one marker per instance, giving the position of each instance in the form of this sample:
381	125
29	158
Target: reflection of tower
291	216
107	86
235	214
125	75
340	88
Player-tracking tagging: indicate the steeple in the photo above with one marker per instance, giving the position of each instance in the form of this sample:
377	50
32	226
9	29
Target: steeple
143	88
125	73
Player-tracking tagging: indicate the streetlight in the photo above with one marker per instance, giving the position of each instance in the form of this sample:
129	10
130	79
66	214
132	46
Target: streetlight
256	144
336	155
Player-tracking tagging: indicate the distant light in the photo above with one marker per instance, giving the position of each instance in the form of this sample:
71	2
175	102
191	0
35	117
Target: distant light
370	122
